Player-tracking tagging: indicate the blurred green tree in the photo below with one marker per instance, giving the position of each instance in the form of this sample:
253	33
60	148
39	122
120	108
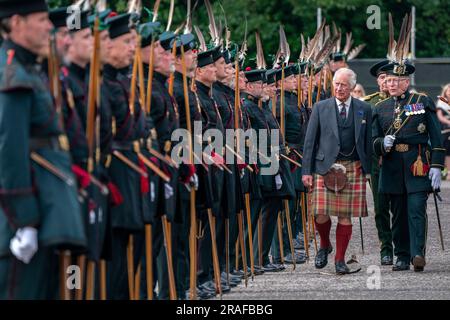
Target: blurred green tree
432	21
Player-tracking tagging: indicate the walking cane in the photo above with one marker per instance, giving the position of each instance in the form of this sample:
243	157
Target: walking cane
227	250
242	243
193	214
280	237
260	240
435	196
362	235
64	262
212	227
90	278
168	246
289	228
236	249
130	267
250	235
305	231
137	283
149	261
81	262
102	279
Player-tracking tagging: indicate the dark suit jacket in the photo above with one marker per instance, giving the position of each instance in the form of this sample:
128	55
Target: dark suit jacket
322	143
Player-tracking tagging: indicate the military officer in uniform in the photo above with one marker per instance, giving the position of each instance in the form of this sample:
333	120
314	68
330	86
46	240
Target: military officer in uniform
407	137
294	137
164	111
127	121
39	211
274	186
204	192
205	77
224	97
58	17
381	201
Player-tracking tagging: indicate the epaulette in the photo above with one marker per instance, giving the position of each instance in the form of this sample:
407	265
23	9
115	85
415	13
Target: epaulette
370	96
381	101
15	77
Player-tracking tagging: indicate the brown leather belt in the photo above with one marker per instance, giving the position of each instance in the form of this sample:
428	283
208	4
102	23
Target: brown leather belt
401	147
54	143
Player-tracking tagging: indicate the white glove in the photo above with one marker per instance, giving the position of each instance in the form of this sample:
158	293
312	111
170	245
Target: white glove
152	191
24	244
388	142
435	177
242	173
168	191
278	182
193	182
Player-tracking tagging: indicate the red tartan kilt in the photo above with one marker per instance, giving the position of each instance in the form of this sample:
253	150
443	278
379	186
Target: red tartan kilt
347	203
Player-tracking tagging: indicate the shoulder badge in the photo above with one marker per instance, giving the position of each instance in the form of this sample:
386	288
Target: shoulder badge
370	96
421	128
381	101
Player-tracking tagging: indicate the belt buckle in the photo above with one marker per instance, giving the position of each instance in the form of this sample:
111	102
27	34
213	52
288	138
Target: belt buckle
401	147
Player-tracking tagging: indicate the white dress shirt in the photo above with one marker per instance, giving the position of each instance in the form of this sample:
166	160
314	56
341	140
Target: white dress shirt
347	104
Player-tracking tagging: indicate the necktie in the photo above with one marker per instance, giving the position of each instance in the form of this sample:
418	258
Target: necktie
343	112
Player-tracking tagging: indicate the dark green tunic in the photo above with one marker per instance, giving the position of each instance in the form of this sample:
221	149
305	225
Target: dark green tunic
29	194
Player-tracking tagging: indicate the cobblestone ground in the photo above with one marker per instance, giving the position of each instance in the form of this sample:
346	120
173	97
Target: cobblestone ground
306	282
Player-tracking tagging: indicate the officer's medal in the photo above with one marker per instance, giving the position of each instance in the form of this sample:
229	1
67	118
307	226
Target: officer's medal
398	121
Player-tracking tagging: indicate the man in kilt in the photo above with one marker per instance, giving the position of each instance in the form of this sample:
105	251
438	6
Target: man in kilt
336	160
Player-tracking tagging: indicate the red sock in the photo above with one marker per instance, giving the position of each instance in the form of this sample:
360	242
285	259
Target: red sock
343	235
324	232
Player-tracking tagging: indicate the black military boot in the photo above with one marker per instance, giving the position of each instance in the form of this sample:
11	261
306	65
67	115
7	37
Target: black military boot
299	258
322	257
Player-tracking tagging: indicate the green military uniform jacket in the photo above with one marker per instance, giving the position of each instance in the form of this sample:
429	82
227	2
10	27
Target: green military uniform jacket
295	120
262	118
373	99
421	129
29	194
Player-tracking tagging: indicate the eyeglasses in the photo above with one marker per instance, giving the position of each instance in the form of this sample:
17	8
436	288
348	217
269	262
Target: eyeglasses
394	80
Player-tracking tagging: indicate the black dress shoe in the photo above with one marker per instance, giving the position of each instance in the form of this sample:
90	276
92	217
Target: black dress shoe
280	266
205	290
401	265
341	268
225	288
299	258
321	259
233	280
203	294
208	286
387	261
270	267
419	263
238	273
257	271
